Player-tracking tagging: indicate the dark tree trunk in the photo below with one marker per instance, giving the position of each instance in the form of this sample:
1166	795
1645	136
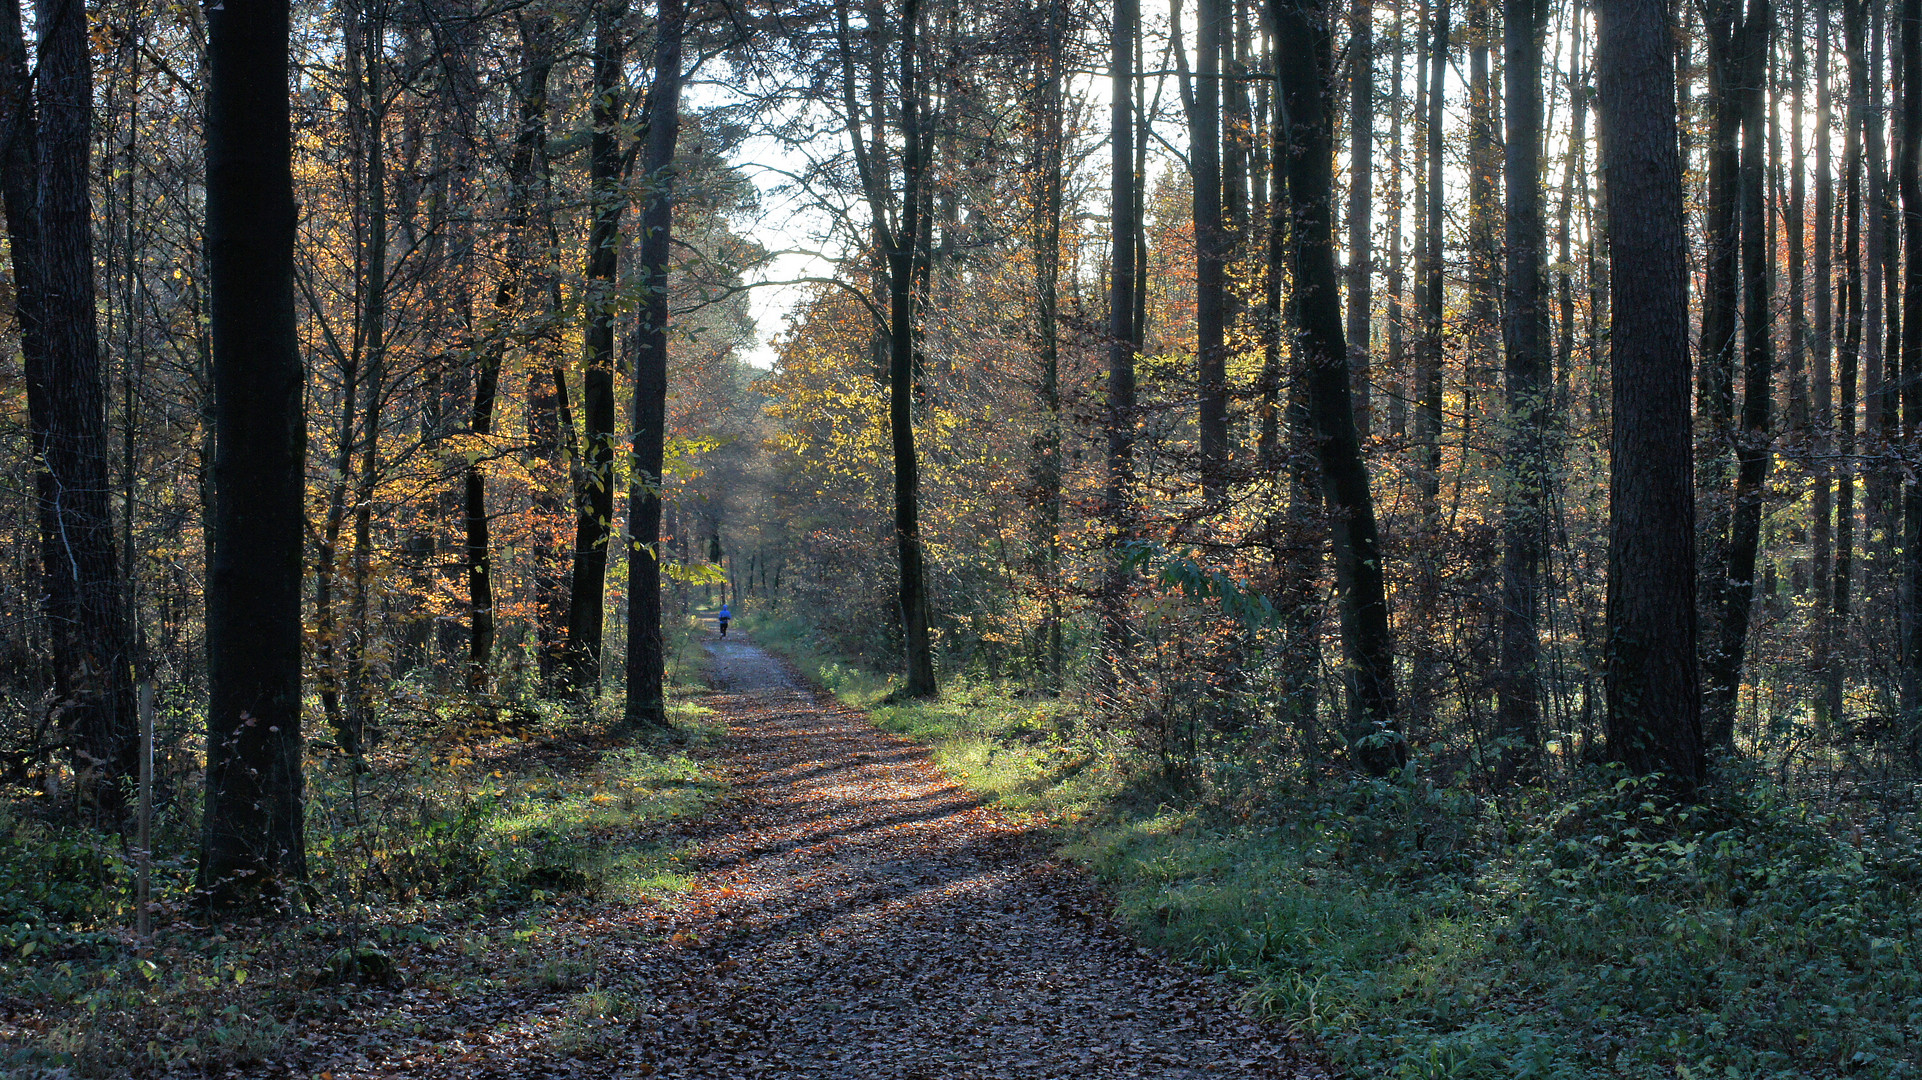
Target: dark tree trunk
1484	212
1518	712
1429	299
1211	308
1874	235
646	647
1723	672
1361	196
1849	365
916	617
553	440
537	323
1795	225
594	486
1911	191
1821	545
1047	177
92	651
1721	292
1654	699
1395	361
1121	339
253	844
1305	146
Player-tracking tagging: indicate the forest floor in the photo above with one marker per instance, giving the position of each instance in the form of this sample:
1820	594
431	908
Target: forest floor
852	914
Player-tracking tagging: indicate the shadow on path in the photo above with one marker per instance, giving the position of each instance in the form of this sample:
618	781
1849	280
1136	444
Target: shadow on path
858	917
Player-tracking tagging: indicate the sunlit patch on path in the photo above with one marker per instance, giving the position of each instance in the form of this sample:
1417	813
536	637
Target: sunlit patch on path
856	916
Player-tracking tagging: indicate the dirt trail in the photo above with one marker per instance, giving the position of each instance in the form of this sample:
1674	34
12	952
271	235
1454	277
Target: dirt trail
857	916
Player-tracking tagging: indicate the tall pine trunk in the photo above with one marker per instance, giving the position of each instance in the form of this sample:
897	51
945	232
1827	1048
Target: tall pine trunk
1530	396
646	646
1821	539
253	841
1723	673
1911	190
85	605
1361	196
1046	176
1654	702
1118	492
910	237
1211	307
594	479
1305	143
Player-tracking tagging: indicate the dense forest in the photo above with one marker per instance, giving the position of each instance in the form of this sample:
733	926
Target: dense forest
1503	411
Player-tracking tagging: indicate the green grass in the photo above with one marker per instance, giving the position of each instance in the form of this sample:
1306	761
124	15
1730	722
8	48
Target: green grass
1419	930
437	867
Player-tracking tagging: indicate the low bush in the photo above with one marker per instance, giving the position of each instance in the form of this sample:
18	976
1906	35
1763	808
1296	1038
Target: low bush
433	864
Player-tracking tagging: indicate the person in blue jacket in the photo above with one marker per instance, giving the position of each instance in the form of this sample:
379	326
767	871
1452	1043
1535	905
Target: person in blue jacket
723	617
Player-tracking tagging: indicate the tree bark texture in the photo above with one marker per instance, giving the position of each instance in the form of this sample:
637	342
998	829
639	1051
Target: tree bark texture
1119	488
51	219
646	645
1744	86
1530	396
1653	692
1361	199
594	487
253	844
1305	146
1211	306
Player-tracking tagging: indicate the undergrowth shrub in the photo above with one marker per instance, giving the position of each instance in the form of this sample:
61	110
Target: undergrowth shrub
466	820
1420	932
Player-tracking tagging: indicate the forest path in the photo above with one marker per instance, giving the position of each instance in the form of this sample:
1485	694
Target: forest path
858	916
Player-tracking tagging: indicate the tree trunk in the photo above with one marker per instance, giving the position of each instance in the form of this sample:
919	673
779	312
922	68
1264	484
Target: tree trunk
1361	194
594	487
1721	293
1394	361
1723	673
1795	225
1518	711
1204	125
253	844
1484	165
92	651
1850	357
1047	177
916	617
1428	376
1911	190
1654	701
1821	545
1304	59
646	645
1121	341
553	445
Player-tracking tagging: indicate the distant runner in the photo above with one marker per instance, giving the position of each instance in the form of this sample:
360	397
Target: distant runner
724	617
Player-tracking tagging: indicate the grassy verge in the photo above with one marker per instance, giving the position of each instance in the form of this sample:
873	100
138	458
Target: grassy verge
1419	930
447	867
